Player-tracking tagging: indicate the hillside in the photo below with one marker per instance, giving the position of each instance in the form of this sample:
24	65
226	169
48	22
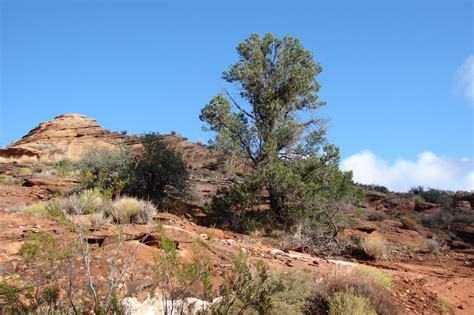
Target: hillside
425	281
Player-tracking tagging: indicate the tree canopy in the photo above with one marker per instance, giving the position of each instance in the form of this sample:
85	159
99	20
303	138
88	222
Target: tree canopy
277	88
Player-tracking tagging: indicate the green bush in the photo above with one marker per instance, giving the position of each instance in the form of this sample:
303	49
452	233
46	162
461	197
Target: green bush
51	209
64	166
251	288
150	174
105	170
346	303
441	197
378	298
157	170
374	275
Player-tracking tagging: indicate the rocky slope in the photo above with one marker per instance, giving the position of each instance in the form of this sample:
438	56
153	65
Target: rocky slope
72	135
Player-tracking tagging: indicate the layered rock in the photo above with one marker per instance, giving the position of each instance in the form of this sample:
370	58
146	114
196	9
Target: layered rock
66	136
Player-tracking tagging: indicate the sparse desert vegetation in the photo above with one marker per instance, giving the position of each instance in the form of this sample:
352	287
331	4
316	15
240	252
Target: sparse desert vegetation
262	220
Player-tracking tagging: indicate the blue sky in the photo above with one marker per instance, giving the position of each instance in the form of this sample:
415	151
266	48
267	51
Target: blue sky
394	79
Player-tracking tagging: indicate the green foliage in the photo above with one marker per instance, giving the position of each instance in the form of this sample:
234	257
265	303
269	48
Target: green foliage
9	295
64	166
24	171
149	174
156	170
277	81
253	289
291	158
374	187
179	279
51	209
335	292
374	275
43	247
346	303
441	197
105	170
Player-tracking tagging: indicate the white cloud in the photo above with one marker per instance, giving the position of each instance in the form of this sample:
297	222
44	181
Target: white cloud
465	78
428	170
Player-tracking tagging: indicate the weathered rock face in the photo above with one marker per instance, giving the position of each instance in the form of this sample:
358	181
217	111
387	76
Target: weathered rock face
68	135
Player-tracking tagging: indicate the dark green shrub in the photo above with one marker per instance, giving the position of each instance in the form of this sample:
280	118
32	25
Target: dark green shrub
438	219
440	197
149	174
374	187
64	166
157	170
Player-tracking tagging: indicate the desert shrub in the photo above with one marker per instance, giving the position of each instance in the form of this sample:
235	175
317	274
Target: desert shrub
377	296
105	170
374	187
10	300
51	209
418	199
150	174
38	210
178	279
99	219
433	245
347	303
86	202
251	288
64	166
157	170
441	197
438	219
375	215
61	280
374	247
131	210
374	275
408	223
24	171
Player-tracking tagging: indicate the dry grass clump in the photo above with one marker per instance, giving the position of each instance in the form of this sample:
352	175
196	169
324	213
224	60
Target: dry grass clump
374	246
341	293
86	202
99	219
131	210
433	245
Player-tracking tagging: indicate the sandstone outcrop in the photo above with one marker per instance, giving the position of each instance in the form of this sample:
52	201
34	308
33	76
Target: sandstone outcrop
66	136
